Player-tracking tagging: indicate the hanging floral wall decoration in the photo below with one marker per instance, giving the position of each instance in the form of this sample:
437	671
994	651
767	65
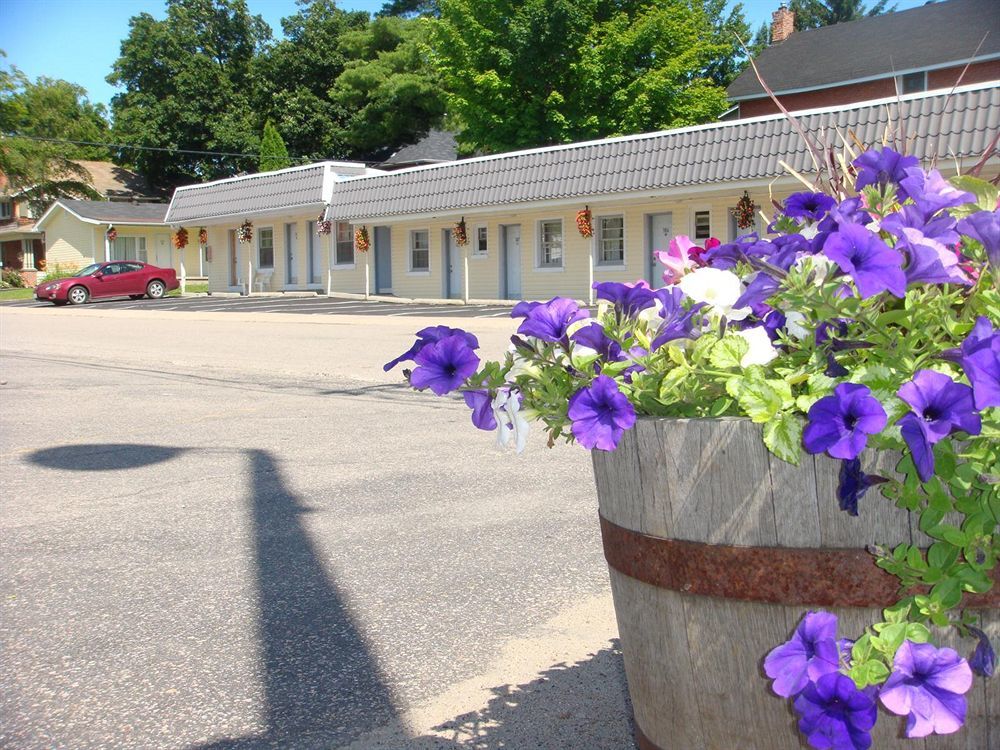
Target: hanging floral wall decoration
323	225
361	241
203	236
585	222
745	212
245	232
181	238
112	234
459	233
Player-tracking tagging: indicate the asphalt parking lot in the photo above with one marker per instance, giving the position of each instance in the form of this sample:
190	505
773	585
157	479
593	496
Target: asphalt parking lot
236	532
317	305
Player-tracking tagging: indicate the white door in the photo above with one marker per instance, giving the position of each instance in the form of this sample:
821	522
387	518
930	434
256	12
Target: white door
659	231
163	254
291	237
512	262
452	266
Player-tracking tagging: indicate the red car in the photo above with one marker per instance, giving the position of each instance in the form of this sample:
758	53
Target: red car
119	278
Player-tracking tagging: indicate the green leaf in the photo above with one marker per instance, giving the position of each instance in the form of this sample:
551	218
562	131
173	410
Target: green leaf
729	352
758	399
953	536
986	193
948	593
783	437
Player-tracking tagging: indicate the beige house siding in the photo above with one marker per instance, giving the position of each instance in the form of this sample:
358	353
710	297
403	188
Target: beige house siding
70	242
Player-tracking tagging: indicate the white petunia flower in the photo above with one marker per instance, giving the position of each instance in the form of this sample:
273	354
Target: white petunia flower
793	324
819	264
717	288
511	424
761	350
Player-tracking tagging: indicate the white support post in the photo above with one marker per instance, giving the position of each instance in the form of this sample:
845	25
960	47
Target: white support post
590	282
107	244
249	274
367	277
183	274
465	275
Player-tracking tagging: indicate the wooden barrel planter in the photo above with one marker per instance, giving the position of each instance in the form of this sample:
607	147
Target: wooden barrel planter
716	549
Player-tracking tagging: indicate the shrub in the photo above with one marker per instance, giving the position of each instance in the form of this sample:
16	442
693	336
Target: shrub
61	272
12	279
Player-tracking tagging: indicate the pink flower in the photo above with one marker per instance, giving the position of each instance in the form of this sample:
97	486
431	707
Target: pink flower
682	256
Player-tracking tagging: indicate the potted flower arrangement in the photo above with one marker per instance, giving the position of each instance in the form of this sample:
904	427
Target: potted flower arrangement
181	238
459	233
203	236
860	346
323	224
112	234
585	222
245	233
361	239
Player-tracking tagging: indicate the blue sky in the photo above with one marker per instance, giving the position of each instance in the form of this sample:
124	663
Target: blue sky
43	37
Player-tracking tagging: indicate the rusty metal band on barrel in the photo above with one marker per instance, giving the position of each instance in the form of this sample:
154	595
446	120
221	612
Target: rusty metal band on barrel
781	575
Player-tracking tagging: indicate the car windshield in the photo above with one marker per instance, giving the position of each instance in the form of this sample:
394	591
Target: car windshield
89	270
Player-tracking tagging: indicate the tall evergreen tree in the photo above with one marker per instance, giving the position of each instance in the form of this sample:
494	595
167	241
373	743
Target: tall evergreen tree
273	154
811	14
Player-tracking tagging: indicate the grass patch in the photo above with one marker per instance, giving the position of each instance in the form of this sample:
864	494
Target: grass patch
25	293
190	289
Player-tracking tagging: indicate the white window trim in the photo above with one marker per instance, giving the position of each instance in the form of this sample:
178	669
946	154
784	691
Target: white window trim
598	263
259	264
538	246
694	223
410	271
333	250
475	254
9	205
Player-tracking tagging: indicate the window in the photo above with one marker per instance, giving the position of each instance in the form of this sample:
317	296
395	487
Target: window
420	259
702	225
344	253
28	250
129	248
6	209
912	83
265	248
611	241
550	246
130	267
481	242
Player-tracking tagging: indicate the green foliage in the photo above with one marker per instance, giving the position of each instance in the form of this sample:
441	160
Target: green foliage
10	278
273	154
811	14
187	84
59	271
532	72
41	171
409	8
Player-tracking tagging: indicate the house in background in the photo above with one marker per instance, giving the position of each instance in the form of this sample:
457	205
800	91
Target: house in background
520	208
77	234
908	51
25	244
437	147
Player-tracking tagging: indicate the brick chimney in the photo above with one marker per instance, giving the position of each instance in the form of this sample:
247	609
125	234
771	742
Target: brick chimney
782	24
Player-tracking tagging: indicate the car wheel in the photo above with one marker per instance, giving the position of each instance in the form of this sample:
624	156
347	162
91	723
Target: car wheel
155	289
135	296
78	295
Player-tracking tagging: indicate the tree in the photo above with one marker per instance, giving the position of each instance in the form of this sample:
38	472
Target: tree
187	82
409	8
811	14
273	154
521	73
43	170
389	90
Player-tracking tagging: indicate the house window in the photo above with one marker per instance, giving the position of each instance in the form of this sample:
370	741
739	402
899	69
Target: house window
611	241
6	209
550	246
420	259
129	248
344	252
912	83
265	248
702	225
480	245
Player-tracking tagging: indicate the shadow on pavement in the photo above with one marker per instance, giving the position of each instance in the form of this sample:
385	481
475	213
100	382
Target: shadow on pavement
322	688
103	456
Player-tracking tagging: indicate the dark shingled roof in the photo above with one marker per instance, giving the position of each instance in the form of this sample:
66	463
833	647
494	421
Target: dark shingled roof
436	146
959	126
117	211
916	39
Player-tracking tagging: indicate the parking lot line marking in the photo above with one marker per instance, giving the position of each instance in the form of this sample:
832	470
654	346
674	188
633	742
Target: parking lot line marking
435	308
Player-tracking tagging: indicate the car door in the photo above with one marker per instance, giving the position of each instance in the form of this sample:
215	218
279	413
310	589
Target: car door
132	279
107	281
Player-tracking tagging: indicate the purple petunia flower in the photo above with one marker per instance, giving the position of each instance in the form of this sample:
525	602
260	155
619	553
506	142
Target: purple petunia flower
927	686
940	228
873	265
854	483
929	260
841	422
600	413
940	407
984	228
835	714
848	211
677	323
628	299
809	654
761	288
481	403
444	365
428	336
984	658
879	167
980	358
931	192
593	337
811	206
548	321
